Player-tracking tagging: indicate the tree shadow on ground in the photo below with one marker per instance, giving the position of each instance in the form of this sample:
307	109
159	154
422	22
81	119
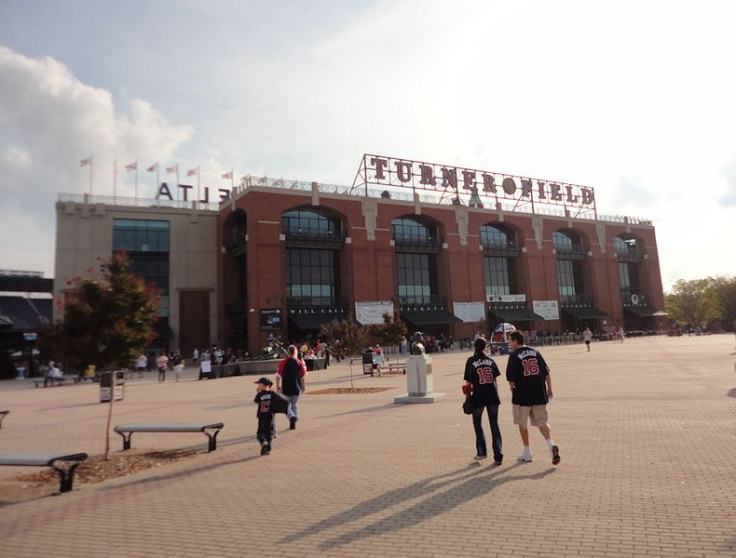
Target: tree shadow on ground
376	409
473	483
732	392
472	487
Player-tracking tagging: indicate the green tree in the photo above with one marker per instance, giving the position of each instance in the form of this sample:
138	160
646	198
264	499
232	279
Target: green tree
390	332
723	300
689	302
107	321
351	337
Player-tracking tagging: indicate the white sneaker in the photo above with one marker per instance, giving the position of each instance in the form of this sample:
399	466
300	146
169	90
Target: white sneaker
525	457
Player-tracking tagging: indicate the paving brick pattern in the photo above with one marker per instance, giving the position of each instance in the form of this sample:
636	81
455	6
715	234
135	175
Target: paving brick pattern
647	431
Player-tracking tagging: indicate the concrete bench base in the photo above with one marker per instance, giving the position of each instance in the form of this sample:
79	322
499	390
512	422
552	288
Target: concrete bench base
210	429
63	464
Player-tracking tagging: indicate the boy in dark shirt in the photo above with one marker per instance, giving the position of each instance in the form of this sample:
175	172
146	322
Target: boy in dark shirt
265	414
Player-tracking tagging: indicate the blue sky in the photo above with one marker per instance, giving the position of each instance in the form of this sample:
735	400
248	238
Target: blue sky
632	98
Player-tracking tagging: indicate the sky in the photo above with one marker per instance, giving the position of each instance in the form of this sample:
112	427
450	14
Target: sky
634	98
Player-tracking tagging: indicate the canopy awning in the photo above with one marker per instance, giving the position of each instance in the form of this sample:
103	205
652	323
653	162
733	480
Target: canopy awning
585	313
515	314
312	322
430	317
644	311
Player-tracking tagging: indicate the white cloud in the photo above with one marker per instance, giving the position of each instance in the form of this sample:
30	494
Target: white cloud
49	121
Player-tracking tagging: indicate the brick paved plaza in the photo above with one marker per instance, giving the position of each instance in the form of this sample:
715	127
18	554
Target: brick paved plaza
646	429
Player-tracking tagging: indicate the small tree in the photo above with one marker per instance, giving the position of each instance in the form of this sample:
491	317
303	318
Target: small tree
352	338
108	321
390	332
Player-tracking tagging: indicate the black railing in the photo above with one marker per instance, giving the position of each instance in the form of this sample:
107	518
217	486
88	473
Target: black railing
576	301
314	234
429	244
235	242
501	249
574	252
630	256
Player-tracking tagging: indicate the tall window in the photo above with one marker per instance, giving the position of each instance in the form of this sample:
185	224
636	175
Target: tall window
499	275
628	277
147	245
312	276
416	275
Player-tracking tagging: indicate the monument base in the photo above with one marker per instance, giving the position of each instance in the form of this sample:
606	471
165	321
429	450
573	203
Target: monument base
426	398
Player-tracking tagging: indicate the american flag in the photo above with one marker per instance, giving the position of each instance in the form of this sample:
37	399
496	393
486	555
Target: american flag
193	172
85	162
227	175
172	170
131	167
152	168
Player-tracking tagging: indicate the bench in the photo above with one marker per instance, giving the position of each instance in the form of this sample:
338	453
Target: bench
45	382
396	367
211	429
53	460
3	414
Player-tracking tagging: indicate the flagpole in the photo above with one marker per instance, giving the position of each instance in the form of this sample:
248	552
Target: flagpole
91	175
158	180
232	181
114	180
136	179
199	197
177	181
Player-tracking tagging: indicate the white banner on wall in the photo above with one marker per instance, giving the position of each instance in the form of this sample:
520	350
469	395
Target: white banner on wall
470	311
372	312
548	309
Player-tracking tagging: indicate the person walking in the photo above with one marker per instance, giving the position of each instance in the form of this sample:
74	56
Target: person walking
290	376
481	387
264	413
178	361
587	337
531	388
162	363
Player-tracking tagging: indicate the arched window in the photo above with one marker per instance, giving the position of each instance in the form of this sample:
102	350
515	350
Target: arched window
311	223
567	242
411	231
234	231
499	259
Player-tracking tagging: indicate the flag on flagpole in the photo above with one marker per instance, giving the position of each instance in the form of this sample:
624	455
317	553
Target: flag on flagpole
152	168
193	172
245	179
227	175
131	167
172	170
85	162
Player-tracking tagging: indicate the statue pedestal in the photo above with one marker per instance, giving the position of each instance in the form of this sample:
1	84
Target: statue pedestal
419	383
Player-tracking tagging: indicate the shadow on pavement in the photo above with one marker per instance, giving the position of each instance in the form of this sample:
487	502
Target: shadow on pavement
732	392
472	486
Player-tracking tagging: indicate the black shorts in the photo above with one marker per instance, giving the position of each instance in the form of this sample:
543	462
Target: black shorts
587	342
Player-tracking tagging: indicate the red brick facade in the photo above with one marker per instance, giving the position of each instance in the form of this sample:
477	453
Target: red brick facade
368	263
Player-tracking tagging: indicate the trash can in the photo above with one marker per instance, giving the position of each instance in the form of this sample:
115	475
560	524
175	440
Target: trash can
106	386
368	362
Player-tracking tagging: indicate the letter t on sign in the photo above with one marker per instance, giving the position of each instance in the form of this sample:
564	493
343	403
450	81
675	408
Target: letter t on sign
380	165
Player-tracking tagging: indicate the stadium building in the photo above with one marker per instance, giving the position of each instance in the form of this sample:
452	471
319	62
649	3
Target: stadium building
448	250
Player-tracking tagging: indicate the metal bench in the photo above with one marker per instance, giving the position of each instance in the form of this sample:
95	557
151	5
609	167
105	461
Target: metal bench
3	414
45	382
66	473
210	429
396	367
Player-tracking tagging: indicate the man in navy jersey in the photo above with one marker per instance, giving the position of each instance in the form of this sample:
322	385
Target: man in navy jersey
480	385
531	388
290	381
